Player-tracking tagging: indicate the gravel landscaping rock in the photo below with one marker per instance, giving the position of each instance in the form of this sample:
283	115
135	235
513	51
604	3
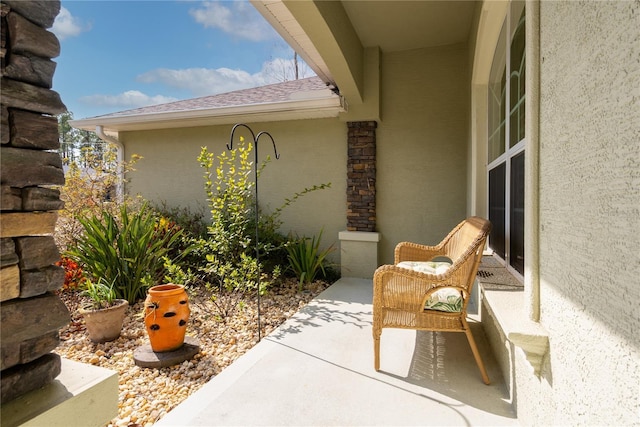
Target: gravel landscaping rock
147	394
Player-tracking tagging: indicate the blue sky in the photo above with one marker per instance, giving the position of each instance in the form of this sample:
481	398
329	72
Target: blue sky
119	55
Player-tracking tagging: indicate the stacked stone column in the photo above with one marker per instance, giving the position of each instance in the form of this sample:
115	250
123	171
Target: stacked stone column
361	176
30	166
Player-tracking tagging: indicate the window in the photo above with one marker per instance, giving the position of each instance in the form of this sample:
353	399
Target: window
507	141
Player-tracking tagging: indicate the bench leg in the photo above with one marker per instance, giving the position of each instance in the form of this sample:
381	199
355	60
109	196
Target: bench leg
376	350
476	355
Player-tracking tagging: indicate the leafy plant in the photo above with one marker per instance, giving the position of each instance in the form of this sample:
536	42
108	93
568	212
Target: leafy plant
272	243
126	251
229	192
306	259
101	294
232	267
192	222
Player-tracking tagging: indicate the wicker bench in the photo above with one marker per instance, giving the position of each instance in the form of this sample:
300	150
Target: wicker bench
403	290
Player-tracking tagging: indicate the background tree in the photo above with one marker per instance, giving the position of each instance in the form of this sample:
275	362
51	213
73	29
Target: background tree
79	145
67	137
91	178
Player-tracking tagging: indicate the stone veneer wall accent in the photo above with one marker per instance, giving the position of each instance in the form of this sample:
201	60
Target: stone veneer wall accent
361	176
31	314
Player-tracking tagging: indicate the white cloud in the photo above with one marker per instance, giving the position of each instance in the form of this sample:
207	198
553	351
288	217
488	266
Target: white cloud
199	82
203	81
239	19
128	99
206	81
66	25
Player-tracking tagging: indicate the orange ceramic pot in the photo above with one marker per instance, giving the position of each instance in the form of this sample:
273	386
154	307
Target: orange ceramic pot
166	314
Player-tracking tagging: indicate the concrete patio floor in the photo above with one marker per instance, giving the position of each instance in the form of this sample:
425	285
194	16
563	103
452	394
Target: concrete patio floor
317	370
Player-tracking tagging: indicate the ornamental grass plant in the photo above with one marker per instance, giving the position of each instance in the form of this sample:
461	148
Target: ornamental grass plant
306	259
126	251
101	294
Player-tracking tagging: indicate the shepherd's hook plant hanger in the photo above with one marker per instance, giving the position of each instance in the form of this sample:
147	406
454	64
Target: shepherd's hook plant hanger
255	139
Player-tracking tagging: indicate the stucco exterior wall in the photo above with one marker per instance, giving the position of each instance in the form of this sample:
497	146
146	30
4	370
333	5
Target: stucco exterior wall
589	213
312	152
421	157
422	146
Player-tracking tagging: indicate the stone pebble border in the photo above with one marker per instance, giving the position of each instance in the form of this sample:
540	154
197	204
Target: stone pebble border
147	394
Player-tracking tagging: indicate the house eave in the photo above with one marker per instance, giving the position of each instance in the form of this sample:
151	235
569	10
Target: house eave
325	107
283	21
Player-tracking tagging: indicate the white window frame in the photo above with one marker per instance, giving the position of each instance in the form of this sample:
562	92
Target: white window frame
512	18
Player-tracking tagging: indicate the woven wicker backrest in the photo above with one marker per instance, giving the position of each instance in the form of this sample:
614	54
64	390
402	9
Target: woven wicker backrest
464	245
467	234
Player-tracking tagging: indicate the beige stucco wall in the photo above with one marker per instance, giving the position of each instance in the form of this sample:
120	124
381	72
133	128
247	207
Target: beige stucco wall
589	213
422	146
586	203
312	152
421	153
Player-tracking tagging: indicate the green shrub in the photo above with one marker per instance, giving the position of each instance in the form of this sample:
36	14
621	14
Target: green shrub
126	251
232	267
192	223
229	196
272	244
229	266
306	259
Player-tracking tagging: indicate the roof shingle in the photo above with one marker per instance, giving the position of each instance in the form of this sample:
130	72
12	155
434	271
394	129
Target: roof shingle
277	92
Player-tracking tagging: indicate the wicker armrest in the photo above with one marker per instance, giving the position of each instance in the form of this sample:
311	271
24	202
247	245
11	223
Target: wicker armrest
404	289
408	251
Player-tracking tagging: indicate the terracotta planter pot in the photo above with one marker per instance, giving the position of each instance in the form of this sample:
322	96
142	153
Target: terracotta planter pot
105	324
166	314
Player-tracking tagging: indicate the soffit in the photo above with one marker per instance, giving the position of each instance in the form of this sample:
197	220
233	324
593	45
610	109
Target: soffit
404	25
390	25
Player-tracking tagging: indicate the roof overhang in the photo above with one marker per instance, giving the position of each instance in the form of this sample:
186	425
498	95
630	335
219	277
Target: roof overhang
344	41
318	108
284	22
322	34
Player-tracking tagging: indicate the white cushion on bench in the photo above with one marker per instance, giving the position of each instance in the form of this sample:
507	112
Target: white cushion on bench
446	299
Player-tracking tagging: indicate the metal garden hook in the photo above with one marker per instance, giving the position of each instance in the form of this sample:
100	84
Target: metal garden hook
255	139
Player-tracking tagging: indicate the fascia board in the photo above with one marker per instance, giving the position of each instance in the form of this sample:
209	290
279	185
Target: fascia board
275	111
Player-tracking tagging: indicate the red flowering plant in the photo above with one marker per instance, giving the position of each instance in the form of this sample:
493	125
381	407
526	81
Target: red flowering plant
73	275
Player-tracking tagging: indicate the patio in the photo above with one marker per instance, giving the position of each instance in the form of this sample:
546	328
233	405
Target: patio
317	369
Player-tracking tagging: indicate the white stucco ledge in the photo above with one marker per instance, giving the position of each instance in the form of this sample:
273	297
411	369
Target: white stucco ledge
534	344
531	337
82	395
504	296
359	236
358	253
